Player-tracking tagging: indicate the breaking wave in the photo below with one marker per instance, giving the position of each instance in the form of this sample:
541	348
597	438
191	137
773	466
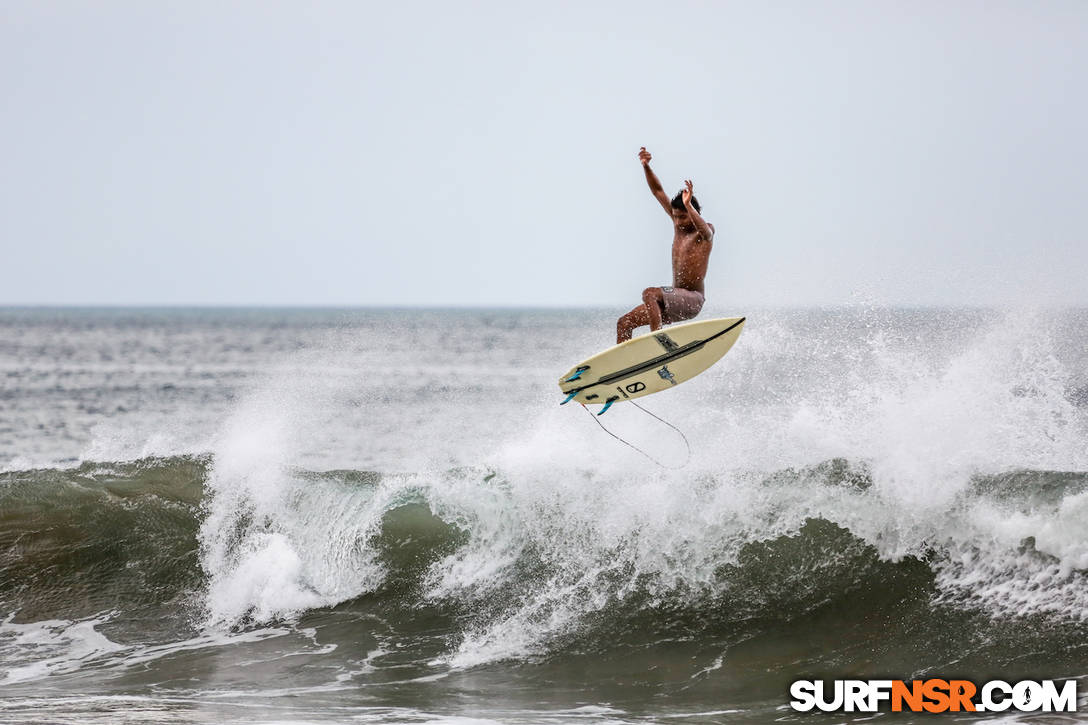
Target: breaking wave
919	493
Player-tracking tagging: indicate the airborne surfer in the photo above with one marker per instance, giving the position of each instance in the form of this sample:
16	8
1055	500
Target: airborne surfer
691	244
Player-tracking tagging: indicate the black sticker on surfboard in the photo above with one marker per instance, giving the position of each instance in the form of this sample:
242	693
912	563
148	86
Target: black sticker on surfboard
636	387
666	342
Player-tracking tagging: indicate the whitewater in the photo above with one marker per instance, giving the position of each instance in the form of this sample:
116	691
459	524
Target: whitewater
301	515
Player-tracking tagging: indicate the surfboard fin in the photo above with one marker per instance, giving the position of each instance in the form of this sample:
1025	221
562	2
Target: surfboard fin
608	404
569	398
577	373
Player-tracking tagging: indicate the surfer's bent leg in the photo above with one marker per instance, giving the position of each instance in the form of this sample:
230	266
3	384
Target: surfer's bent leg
648	313
627	324
654	299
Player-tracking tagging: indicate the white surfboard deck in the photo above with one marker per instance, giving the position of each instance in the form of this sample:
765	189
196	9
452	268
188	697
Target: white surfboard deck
652	362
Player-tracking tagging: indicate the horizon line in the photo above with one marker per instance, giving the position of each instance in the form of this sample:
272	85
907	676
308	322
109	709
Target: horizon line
472	307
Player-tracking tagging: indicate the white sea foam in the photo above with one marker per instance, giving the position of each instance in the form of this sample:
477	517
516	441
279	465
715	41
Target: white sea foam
50	647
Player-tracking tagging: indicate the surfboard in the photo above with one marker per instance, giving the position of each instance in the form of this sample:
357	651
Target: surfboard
650	363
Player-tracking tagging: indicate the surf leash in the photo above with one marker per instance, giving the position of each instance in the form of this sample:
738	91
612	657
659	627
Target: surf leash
632	445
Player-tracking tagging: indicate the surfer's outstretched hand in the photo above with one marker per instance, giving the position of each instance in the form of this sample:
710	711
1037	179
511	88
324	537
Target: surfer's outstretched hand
688	191
644	156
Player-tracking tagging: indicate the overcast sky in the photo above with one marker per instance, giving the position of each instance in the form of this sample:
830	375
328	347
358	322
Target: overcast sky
472	153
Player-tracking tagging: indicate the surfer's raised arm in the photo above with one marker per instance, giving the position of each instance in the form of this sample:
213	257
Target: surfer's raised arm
655	184
706	232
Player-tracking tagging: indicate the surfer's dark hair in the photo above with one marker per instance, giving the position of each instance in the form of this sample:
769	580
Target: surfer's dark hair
678	202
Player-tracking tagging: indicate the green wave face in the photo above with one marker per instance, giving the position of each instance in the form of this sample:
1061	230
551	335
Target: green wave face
127	539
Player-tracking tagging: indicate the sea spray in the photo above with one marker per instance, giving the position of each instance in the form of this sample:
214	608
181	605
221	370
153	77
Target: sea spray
275	543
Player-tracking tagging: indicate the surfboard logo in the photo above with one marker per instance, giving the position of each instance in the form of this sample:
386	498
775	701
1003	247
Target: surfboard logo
665	374
635	387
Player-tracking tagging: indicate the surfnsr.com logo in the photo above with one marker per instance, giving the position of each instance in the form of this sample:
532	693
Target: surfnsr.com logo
934	695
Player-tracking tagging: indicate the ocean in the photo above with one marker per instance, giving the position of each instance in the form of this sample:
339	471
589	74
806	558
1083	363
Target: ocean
376	516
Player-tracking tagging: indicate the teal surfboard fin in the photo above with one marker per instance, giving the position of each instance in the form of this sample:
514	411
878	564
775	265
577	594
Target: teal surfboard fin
577	373
608	404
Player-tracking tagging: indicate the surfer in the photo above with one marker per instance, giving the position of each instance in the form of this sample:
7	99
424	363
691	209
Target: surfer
691	244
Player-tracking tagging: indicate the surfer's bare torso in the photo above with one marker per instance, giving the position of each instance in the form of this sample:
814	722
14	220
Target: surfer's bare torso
690	252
